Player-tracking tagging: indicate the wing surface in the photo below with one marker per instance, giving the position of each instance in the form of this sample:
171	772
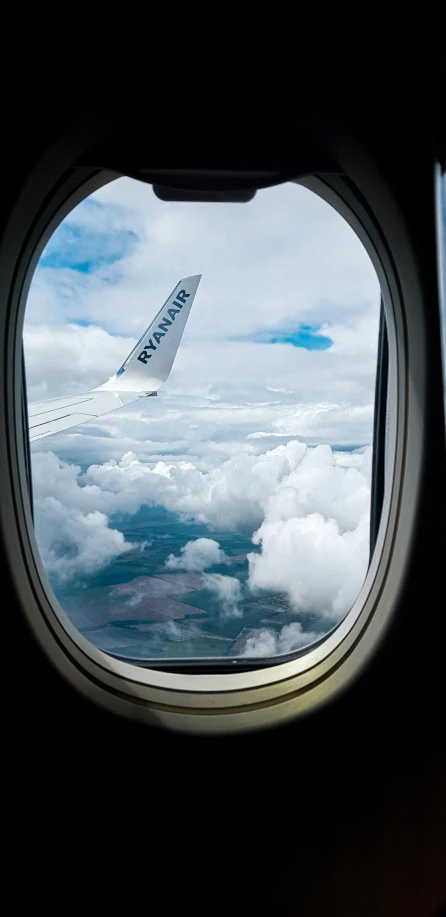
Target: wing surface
143	373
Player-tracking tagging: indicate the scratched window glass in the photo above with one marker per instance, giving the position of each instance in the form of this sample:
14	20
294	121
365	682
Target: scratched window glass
200	383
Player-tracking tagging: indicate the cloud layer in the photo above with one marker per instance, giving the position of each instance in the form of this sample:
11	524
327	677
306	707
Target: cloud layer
267	643
284	262
307	508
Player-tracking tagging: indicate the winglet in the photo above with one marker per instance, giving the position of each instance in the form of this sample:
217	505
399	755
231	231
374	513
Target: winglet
148	365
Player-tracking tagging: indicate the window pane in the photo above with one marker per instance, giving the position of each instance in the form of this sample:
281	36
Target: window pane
228	516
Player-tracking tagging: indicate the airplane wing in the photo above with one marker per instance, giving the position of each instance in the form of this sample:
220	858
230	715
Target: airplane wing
143	372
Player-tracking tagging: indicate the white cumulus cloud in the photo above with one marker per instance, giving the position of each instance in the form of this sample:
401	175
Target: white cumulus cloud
69	359
75	543
307	508
264	642
318	566
197	555
228	590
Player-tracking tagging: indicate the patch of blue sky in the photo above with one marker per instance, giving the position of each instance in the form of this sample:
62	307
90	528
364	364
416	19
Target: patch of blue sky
86	250
307	336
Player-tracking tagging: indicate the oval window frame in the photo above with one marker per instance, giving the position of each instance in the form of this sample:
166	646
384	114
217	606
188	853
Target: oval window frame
260	697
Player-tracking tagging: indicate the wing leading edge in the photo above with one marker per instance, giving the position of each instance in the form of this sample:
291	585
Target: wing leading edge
143	373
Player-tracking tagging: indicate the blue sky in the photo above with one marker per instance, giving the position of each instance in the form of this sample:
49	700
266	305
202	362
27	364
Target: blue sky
85	250
306	336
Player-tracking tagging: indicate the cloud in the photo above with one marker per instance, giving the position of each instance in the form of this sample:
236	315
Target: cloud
233	495
70	359
285	261
291	259
224	389
314	537
73	543
228	591
306	508
264	642
319	567
196	555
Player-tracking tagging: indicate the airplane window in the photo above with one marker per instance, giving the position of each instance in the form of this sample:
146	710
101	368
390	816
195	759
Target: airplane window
202	488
